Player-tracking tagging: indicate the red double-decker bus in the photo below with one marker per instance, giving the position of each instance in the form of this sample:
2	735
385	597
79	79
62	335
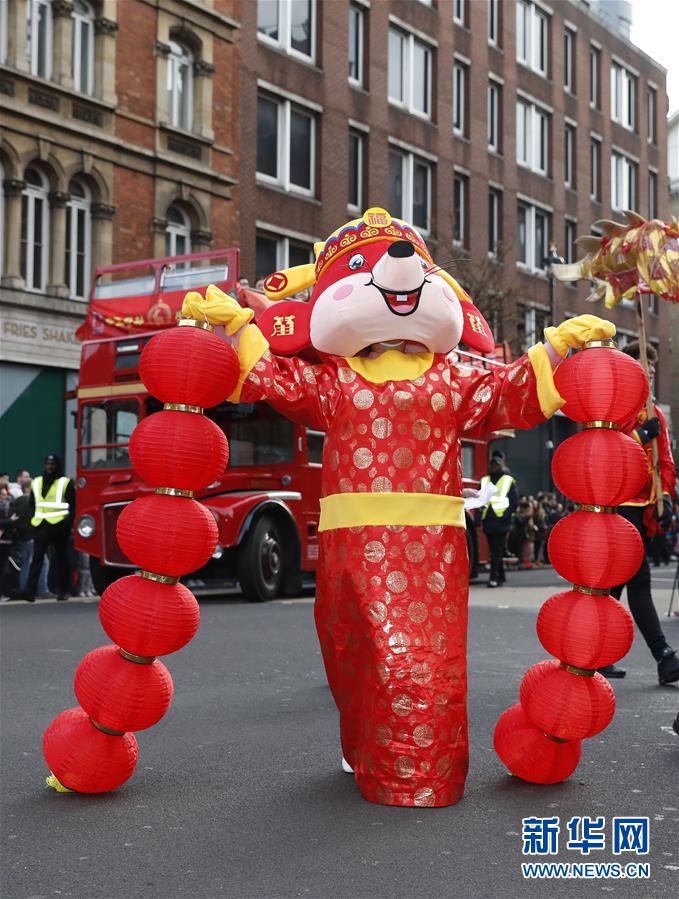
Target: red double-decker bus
266	504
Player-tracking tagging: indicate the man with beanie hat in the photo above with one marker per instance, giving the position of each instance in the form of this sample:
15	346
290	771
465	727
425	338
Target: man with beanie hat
641	512
53	508
496	518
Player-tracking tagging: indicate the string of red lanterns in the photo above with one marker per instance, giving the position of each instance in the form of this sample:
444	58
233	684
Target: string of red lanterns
565	700
124	687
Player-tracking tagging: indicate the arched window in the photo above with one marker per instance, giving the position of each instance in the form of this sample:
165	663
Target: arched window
82	47
39	37
180	86
78	240
177	233
34	229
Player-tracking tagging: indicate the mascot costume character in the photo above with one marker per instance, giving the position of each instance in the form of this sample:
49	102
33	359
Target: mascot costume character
368	360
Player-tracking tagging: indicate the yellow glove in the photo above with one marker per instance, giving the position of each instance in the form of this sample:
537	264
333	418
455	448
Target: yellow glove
217	308
575	332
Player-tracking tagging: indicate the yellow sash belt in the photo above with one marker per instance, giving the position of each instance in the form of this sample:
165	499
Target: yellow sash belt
349	510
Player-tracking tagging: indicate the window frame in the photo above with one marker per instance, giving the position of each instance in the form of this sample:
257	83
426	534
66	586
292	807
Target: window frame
285	108
174	62
595	168
494	23
532	37
359	136
461	221
33	45
623	182
495	198
460	13
569	57
570	155
282	242
570	233
82	22
408	42
360	16
74	207
534	137
651	115
533	210
460	98
594	77
624	90
408	161
284	41
175	231
494	114
33	194
652	191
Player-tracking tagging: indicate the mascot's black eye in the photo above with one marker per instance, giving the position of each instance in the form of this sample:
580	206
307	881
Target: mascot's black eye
357	261
424	264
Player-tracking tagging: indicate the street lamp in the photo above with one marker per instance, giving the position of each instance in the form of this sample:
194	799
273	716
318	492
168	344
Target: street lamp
549	261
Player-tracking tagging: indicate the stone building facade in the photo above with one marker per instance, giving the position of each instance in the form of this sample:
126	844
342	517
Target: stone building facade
118	141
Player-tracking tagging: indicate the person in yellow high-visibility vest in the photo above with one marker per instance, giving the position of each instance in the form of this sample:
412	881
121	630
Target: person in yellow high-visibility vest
53	507
496	518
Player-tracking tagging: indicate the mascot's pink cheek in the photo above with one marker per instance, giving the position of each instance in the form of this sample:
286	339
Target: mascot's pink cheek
342	292
448	292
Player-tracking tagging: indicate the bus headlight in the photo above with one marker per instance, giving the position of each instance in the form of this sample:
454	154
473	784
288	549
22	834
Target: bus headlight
86	526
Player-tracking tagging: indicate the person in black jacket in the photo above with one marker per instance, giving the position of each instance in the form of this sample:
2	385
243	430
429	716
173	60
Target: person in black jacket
496	518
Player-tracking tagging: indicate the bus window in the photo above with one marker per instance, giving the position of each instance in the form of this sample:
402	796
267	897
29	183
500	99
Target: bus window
468	461
105	429
314	446
257	434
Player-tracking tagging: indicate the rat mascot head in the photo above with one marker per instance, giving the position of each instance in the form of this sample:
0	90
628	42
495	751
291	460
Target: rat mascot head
374	285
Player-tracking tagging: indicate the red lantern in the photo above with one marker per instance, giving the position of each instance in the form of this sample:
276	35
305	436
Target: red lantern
530	754
595	549
121	694
600	467
169	535
83	758
566	705
147	618
601	384
178	449
190	366
585	631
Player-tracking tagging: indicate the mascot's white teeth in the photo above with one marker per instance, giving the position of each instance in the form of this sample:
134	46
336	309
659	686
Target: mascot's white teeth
402	303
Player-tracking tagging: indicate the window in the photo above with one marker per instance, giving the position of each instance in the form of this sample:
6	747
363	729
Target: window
257	435
78	240
595	77
285	144
2	213
460	97
34	230
82	47
356	169
3	33
532	36
569	151
570	234
651	104
494	220
274	253
595	169
180	86
39	37
623	96
460	12
652	195
532	137
533	234
532	323
494	117
356	44
460	201
177	232
494	22
105	430
569	60
623	182
410	68
410	188
289	25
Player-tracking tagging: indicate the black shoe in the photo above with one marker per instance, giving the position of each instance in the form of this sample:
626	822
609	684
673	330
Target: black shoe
25	594
668	667
610	671
62	598
675	726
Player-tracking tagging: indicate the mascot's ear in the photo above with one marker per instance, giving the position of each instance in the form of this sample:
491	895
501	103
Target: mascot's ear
287	327
287	283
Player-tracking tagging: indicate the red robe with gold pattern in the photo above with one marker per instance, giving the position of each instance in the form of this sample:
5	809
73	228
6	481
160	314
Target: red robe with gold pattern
391	603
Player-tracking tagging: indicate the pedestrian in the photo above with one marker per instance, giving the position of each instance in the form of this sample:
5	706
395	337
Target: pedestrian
640	511
496	518
16	488
53	510
24	507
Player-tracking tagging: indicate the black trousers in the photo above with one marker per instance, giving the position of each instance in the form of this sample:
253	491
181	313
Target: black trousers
496	545
639	596
56	536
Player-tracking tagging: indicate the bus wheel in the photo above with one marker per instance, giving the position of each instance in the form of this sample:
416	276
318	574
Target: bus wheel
104	575
260	561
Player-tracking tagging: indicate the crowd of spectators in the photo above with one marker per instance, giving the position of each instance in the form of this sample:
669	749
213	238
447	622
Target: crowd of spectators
532	523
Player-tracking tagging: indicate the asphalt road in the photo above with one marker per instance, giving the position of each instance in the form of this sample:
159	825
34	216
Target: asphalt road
239	792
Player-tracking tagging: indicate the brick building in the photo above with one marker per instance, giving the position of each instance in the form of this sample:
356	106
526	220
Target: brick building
118	141
494	127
